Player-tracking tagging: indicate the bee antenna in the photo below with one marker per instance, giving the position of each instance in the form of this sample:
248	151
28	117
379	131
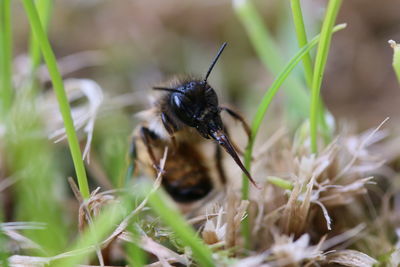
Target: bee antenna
167	89
215	60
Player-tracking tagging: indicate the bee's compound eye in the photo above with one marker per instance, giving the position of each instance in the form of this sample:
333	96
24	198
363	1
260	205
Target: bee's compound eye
183	108
181	102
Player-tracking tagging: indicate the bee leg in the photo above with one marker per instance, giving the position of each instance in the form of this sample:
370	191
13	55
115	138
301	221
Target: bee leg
147	136
170	127
218	163
238	117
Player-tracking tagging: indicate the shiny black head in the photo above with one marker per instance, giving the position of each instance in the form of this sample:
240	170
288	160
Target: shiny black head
195	104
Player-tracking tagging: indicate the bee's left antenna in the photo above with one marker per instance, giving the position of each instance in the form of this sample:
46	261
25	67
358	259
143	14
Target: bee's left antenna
215	60
167	89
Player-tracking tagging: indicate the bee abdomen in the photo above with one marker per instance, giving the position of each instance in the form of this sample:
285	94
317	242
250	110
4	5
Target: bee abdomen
187	179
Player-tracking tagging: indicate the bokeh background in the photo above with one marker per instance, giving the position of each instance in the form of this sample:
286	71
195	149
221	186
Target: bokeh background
144	42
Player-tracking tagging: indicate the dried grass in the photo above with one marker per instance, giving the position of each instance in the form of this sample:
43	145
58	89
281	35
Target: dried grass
311	224
84	115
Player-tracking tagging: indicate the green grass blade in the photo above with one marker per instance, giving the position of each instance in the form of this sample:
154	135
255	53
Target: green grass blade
160	204
102	227
319	68
302	39
44	10
307	62
259	35
6	89
136	257
3	245
261	111
279	182
396	58
3	249
62	99
270	55
267	98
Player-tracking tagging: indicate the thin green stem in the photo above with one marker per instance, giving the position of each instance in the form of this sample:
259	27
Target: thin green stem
3	244
261	111
44	10
178	224
3	249
307	62
302	39
271	56
396	58
6	89
58	85
136	257
279	182
99	229
319	67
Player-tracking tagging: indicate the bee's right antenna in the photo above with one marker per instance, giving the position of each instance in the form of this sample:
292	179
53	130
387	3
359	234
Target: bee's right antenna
215	60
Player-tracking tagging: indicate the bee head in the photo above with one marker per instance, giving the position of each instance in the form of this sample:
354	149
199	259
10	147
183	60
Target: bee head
195	103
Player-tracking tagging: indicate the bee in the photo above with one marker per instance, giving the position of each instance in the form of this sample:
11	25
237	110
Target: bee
185	115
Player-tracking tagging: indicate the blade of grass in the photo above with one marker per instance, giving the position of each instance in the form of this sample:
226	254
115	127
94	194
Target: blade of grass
44	10
270	55
279	182
396	58
260	114
6	92
319	68
3	251
62	99
102	226
307	62
267	98
160	204
3	246
135	255
302	39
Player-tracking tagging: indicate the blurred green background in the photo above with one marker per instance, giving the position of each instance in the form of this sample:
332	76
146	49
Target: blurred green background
144	42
